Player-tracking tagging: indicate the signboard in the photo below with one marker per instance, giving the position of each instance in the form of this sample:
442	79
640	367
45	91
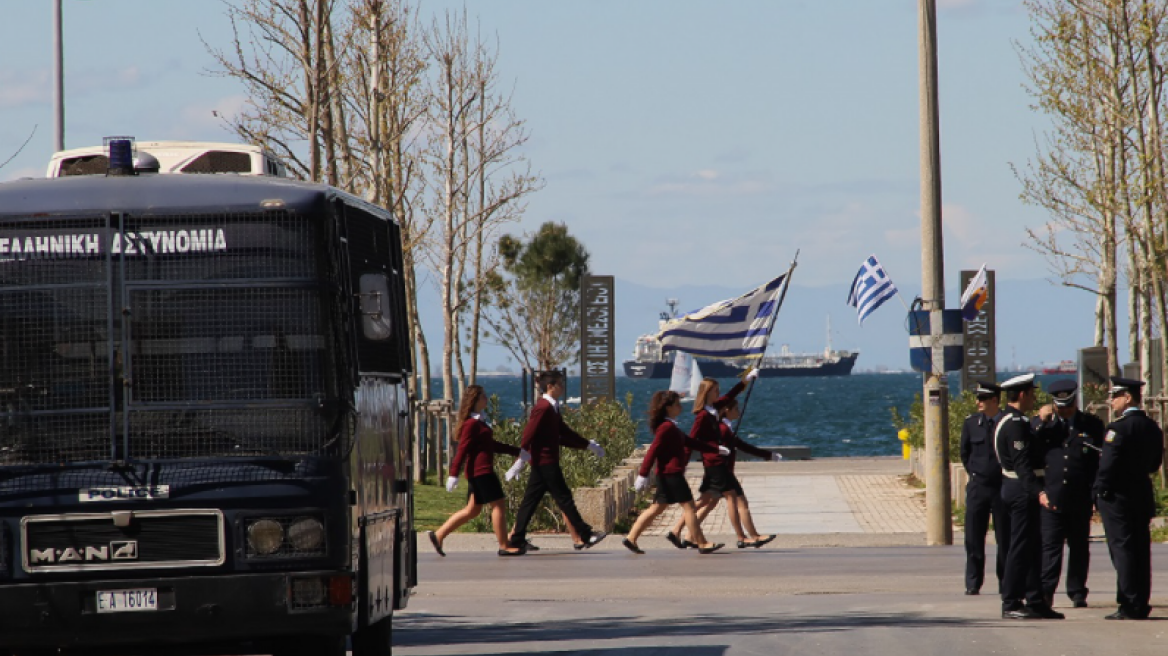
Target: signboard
935	349
597	325
980	337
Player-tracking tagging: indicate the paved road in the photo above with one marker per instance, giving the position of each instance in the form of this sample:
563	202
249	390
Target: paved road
876	600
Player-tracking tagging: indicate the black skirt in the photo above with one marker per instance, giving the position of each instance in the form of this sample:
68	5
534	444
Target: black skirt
719	479
672	488
486	488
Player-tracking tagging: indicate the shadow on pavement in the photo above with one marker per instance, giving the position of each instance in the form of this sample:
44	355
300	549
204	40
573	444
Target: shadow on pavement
421	629
711	650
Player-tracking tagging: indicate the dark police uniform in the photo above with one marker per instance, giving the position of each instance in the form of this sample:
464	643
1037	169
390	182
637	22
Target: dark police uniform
1132	449
983	499
1072	458
1019	450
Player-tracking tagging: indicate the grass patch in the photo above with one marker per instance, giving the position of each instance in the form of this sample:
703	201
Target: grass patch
1160	534
433	505
958	515
912	481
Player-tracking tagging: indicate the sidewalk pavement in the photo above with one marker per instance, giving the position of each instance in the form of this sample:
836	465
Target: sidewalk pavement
807	503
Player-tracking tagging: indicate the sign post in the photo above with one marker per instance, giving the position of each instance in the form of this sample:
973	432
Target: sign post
980	337
597	325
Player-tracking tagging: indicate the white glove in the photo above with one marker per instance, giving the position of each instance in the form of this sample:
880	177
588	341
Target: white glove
595	448
776	456
723	451
751	375
451	483
641	484
516	468
525	456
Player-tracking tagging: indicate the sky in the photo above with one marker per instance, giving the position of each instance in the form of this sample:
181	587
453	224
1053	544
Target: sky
684	143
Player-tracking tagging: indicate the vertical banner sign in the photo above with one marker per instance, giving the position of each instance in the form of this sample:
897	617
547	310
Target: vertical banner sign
597	324
980	337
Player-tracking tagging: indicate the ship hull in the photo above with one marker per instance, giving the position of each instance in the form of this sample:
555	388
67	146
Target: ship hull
724	369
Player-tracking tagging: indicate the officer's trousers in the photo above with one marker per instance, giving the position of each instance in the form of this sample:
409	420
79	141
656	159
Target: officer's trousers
1129	541
1072	527
983	499
1024	560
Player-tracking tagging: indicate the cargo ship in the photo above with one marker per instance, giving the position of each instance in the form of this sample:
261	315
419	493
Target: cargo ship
649	361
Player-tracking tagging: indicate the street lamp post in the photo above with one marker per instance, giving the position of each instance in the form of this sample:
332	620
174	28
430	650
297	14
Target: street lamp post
58	80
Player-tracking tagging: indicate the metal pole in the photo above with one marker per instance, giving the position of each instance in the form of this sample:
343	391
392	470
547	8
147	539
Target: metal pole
58	80
938	512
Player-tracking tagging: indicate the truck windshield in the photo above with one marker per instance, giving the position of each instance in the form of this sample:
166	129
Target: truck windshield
162	337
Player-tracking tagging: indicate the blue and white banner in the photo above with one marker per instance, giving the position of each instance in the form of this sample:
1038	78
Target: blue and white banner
727	329
870	288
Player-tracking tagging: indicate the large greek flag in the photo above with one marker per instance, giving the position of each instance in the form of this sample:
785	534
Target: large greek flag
870	288
727	329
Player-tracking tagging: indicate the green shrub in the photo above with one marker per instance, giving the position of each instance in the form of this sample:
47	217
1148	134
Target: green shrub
609	423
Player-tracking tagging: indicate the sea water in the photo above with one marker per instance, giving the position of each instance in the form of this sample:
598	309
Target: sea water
833	415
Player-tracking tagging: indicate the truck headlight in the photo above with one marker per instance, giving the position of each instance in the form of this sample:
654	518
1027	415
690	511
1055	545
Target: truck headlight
265	536
306	534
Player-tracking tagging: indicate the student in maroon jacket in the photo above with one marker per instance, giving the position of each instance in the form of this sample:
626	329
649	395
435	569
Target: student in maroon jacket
669	453
745	529
543	436
718	481
476	450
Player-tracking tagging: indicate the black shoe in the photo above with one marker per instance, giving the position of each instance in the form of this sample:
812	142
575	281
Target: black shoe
743	545
504	552
760	541
1048	613
674	540
594	539
710	550
528	546
1126	614
970	592
631	546
1023	613
437	545
686	544
1079	603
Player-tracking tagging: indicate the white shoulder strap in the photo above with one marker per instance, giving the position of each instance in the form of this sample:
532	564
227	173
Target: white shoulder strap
998	429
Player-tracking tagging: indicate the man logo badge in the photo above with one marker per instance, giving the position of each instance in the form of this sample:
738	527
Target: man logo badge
127	550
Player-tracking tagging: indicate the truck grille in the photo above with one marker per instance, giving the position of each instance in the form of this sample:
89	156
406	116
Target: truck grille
152	539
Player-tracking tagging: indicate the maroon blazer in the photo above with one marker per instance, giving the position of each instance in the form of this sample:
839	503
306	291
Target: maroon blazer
545	432
477	448
706	428
734	443
669	450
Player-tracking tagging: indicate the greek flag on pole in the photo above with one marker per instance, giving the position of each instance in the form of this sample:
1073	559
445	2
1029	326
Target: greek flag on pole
727	329
870	289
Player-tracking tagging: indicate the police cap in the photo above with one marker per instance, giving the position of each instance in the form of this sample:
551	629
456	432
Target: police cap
1121	385
1063	392
987	390
1019	383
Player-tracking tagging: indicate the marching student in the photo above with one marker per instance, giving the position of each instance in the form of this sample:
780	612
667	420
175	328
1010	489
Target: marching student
543	436
745	528
476	449
669	453
718	481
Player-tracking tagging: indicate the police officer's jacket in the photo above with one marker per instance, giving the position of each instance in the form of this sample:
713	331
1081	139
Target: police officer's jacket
1071	458
1020	451
977	449
1132	449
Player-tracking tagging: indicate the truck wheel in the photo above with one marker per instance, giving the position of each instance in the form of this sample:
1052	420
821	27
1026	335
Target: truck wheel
313	646
374	640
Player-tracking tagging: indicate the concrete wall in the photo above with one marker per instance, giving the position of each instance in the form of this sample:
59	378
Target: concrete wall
957	475
602	506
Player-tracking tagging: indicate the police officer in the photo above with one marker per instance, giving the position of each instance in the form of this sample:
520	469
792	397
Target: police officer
1132	449
983	493
1019	451
1073	442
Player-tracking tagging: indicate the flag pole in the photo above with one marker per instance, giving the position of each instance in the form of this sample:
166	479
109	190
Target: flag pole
770	327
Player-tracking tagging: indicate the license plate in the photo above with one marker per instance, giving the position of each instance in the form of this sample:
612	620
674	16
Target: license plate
125	601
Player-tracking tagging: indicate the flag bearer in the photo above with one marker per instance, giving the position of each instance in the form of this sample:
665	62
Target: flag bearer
1019	451
983	492
718	480
669	452
1073	443
1132	449
545	432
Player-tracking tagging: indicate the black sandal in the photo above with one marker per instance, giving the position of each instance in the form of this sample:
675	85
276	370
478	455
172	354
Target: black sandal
760	541
674	540
437	545
710	550
632	546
